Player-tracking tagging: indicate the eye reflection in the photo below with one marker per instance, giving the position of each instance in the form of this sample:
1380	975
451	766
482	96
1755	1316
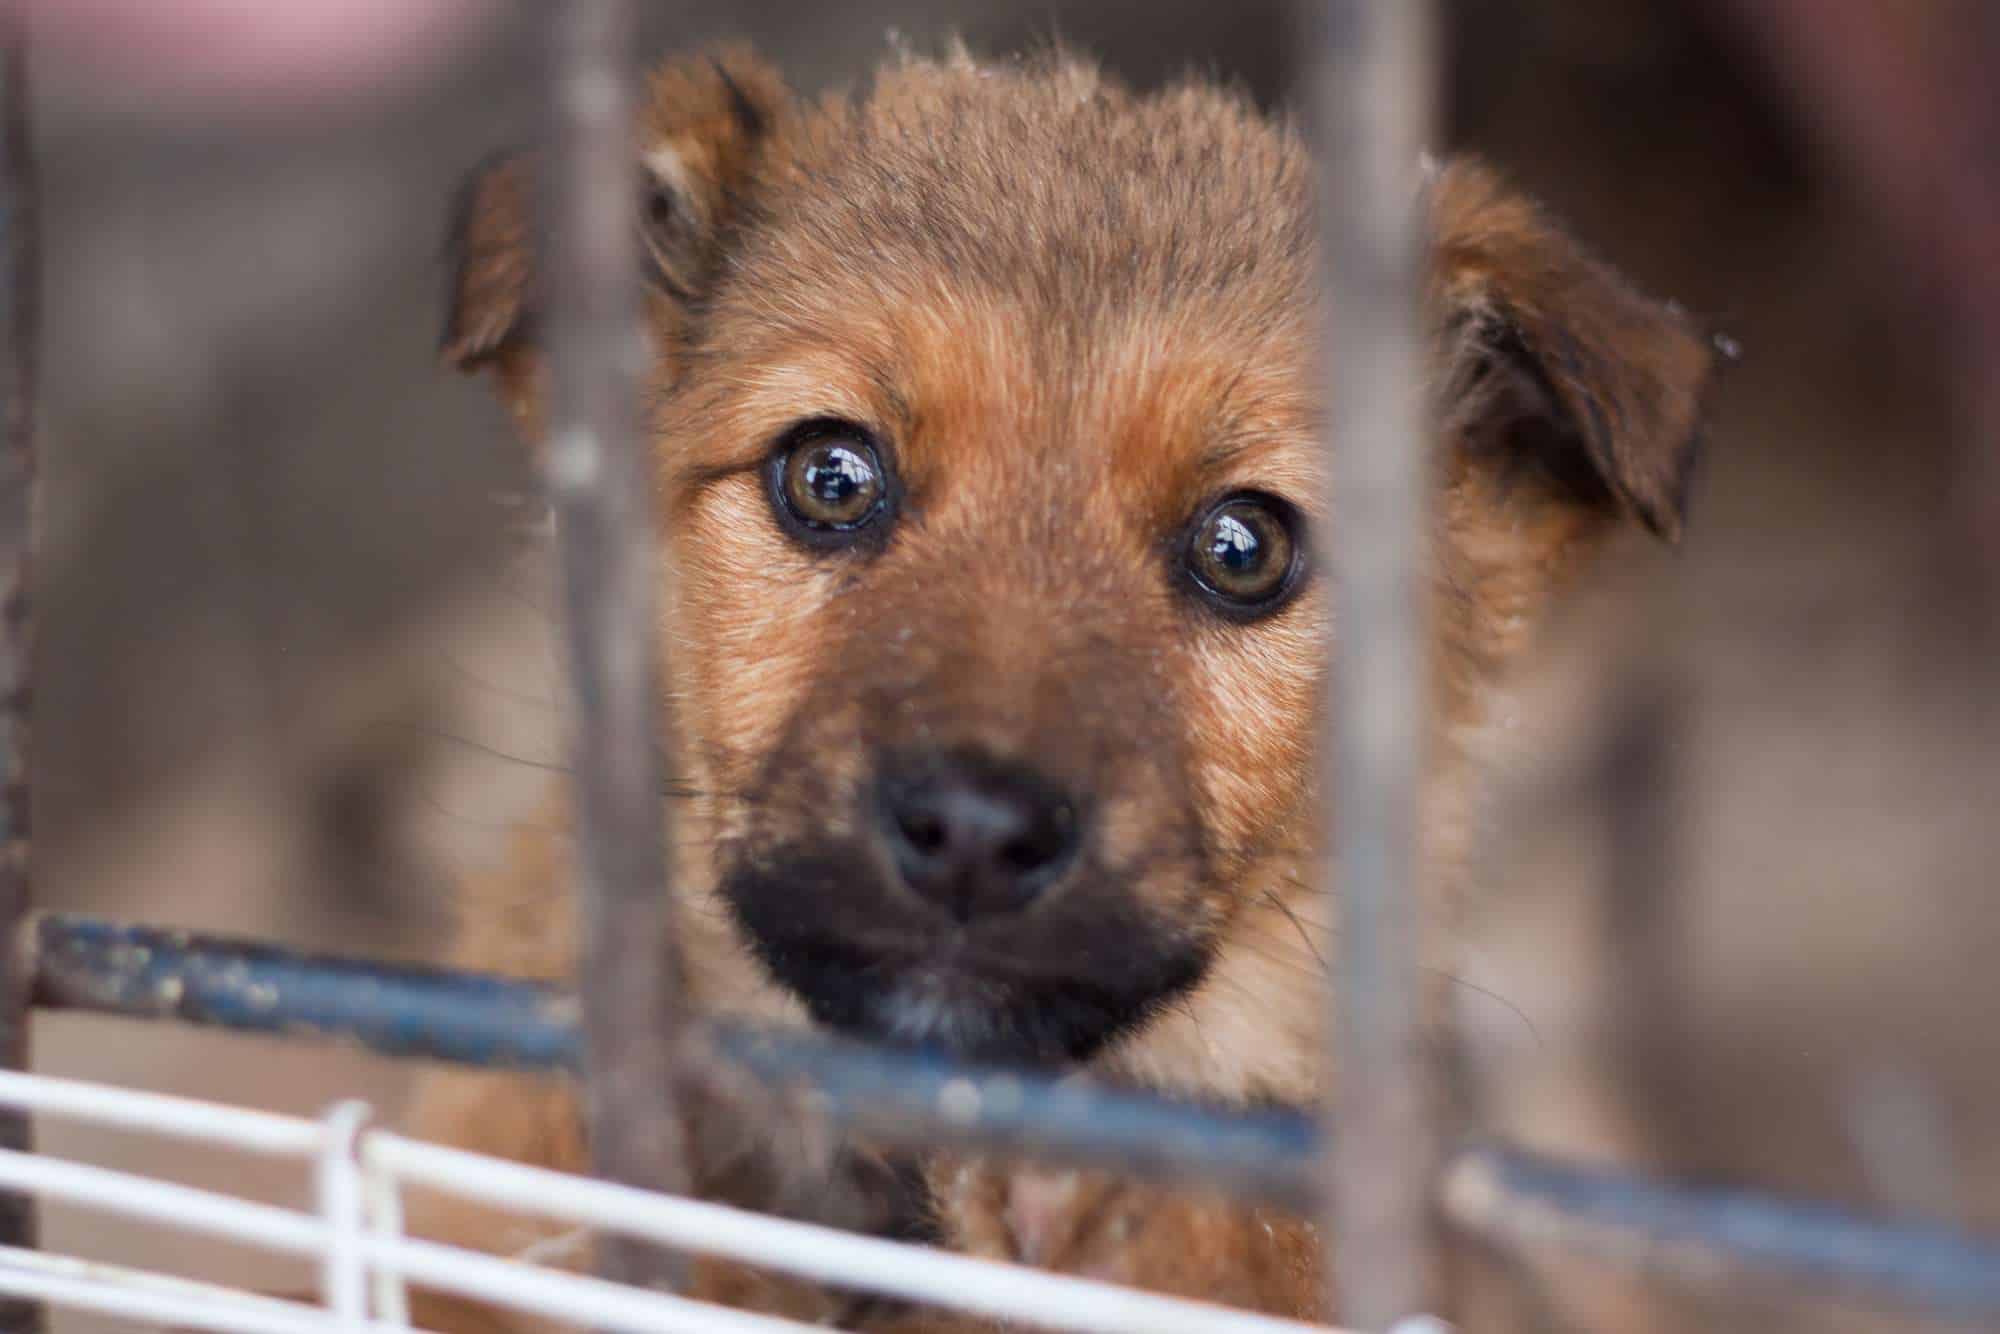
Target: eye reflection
833	483
1244	552
1234	548
829	483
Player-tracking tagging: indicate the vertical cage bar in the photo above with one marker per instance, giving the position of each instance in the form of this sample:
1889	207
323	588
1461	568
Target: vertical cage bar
20	293
601	483
1371	91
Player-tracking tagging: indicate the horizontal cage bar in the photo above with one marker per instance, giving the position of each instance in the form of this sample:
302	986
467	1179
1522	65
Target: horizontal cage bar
476	1019
1520	1199
820	1254
382	1257
918	1100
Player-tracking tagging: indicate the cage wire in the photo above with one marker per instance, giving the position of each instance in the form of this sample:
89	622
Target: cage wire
353	1235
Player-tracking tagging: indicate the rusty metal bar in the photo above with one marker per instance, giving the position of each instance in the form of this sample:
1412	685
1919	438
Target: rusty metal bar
897	1098
1699	1236
914	1100
599	475
145	972
20	330
920	1100
1372	92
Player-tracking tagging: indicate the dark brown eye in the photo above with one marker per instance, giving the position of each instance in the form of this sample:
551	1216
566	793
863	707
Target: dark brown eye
1245	553
829	482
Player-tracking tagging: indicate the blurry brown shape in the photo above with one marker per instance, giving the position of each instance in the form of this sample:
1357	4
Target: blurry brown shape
1903	94
20	327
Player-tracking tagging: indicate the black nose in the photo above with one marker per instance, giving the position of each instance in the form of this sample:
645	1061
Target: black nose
975	836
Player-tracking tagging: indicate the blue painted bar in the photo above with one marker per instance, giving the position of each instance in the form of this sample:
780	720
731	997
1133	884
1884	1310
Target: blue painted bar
928	1100
900	1097
150	973
1702	1233
915	1099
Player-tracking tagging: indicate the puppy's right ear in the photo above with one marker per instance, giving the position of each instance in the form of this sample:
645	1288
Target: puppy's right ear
703	125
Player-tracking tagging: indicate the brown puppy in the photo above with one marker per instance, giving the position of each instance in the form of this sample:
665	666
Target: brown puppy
987	436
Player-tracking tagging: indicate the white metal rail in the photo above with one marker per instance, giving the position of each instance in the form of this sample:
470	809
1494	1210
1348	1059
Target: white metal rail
354	1234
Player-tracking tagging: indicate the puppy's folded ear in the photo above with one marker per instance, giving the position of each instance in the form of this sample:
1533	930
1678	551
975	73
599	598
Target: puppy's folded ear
1565	391
703	124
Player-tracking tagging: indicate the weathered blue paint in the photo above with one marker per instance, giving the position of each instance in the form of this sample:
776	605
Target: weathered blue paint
473	1019
925	1099
917	1099
1704	1233
146	972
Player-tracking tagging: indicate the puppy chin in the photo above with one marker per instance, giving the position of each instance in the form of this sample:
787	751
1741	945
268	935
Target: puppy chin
1034	990
930	1011
973	1018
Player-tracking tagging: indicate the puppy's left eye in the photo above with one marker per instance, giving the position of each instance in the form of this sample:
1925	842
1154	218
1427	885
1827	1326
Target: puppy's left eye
1244	554
828	482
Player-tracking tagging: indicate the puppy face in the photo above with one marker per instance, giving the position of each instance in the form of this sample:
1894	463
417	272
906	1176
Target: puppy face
989	457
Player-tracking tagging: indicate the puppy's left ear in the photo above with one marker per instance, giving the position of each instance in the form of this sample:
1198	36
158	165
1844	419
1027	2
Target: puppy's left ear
1568	398
703	123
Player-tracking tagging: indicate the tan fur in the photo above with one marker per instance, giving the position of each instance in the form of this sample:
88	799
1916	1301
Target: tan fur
1074	314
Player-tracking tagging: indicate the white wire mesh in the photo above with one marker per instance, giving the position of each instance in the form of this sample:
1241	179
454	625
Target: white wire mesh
354	1235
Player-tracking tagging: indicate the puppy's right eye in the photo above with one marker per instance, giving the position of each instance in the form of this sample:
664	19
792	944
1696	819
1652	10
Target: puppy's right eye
828	482
1245	555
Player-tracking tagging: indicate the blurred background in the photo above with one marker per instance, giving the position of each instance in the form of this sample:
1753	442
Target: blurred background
1738	920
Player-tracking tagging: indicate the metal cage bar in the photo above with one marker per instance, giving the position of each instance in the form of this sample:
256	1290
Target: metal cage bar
903	1098
599	476
1717	1239
1372	90
1497	1194
20	278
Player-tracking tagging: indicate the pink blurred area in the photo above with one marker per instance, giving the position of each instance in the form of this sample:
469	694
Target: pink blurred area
271	53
